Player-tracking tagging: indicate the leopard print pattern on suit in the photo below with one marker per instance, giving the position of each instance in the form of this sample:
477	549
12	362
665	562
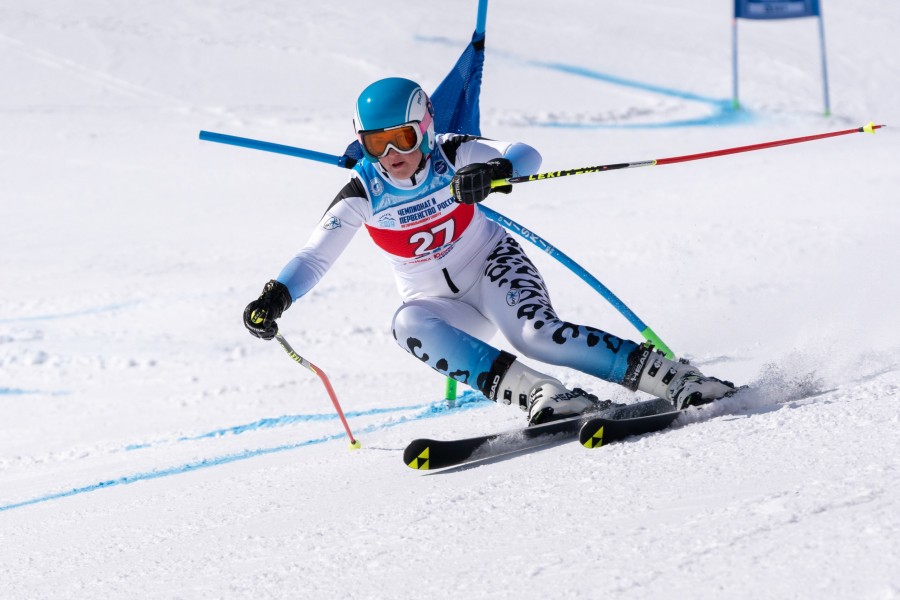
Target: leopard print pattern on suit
508	266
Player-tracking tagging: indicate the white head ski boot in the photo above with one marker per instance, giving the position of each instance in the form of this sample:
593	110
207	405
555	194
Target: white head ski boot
678	382
552	401
545	398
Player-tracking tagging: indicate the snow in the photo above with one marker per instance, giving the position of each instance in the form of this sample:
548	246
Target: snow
150	448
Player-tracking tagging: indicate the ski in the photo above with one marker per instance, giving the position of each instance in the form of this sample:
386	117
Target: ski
428	454
605	429
599	431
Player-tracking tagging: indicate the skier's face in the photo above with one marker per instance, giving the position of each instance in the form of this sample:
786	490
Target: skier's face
401	166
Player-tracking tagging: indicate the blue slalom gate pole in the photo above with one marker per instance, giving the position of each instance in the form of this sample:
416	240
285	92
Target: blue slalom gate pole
582	273
735	103
233	140
824	65
482	16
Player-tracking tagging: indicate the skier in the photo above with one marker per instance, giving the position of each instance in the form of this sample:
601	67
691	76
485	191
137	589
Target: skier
461	276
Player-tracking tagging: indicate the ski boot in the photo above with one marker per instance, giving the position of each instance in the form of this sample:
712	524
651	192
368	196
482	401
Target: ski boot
678	382
544	398
551	401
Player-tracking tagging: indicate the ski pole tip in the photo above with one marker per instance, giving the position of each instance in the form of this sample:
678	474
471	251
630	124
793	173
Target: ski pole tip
870	127
355	445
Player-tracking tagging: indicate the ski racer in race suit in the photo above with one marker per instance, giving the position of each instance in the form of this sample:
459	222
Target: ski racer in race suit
461	276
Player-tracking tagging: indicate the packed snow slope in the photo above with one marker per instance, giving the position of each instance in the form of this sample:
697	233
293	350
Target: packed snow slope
151	448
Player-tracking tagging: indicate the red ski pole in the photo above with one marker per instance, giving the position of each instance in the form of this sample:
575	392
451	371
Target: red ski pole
354	443
870	128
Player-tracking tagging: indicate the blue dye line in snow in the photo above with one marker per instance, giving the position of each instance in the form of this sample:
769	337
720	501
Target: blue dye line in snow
467	401
186	468
80	313
623	82
291	419
271	422
723	112
5	391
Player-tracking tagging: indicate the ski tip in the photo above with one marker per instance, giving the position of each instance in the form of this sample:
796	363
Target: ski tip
418	455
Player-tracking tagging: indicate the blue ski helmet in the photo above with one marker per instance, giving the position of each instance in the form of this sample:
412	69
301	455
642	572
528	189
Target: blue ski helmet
393	102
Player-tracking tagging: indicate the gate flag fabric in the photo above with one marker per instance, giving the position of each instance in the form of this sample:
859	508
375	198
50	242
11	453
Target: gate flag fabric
775	9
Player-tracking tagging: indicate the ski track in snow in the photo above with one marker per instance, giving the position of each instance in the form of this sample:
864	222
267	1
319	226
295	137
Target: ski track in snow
96	310
768	394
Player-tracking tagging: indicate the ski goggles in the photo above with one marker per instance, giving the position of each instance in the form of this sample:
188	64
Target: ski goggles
402	138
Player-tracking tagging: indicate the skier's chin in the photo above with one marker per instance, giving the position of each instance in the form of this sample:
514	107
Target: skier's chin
401	166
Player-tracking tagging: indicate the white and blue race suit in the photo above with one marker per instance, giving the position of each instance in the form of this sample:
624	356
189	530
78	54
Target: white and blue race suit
461	276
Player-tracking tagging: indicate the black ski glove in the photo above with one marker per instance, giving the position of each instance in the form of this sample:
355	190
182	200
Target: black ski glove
472	183
260	315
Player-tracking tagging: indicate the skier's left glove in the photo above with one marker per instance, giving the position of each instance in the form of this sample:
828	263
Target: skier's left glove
472	183
260	315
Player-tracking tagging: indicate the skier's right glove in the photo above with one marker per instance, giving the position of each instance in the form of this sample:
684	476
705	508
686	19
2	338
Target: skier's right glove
472	183
260	315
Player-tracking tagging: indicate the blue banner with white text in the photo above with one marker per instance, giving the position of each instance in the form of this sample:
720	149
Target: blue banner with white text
775	9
